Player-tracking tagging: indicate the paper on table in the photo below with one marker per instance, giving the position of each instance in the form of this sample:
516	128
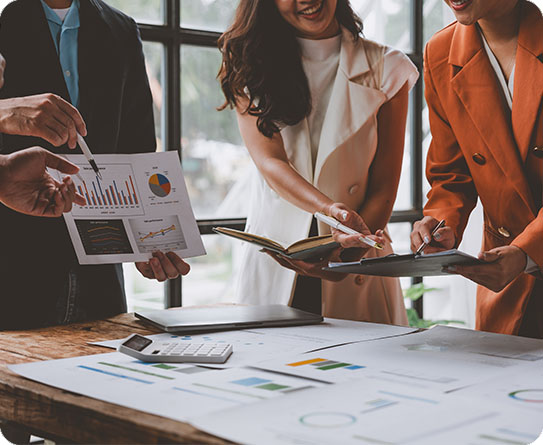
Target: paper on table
140	205
363	411
176	391
518	390
254	345
442	358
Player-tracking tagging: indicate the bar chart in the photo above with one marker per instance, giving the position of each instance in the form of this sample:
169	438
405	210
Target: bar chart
115	194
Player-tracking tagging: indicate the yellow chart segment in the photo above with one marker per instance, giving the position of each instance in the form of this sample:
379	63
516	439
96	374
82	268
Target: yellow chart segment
159	232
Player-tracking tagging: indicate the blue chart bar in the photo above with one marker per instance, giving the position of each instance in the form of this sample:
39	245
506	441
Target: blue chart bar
113	374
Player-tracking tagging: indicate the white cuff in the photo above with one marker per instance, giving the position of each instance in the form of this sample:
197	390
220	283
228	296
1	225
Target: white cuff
531	265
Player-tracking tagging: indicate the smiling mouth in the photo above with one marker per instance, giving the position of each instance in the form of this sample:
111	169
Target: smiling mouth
460	4
313	10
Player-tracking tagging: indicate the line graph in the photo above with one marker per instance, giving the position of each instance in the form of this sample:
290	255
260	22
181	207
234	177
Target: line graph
101	237
162	233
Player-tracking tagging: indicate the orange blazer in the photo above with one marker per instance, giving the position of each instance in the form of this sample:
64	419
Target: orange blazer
479	149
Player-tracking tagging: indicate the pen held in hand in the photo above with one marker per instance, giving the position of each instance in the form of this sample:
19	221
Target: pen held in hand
425	244
90	158
334	223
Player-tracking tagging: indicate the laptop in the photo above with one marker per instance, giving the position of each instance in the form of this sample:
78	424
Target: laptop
199	319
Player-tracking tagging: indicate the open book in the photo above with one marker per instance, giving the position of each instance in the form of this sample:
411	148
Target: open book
305	249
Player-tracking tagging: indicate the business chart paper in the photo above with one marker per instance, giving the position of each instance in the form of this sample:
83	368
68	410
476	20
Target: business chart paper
173	390
139	206
254	345
441	358
371	412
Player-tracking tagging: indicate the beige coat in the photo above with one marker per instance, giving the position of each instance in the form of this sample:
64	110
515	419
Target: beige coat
347	147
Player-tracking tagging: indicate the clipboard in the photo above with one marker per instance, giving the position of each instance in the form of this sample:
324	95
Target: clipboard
410	265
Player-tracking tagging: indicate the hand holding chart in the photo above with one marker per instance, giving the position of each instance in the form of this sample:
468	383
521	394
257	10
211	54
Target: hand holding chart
138	207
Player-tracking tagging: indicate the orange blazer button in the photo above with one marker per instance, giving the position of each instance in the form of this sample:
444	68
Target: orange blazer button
359	279
538	152
479	159
504	232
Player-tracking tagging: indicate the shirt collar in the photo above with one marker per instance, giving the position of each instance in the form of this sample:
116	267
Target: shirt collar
71	21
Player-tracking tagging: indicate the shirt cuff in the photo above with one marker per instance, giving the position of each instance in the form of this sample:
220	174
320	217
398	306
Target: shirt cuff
531	265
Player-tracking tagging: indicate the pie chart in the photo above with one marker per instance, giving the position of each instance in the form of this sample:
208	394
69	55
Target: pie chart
160	185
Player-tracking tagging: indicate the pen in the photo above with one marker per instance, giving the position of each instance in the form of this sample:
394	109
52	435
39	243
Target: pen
424	245
332	222
86	151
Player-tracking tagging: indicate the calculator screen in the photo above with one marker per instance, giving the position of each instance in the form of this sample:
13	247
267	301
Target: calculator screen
137	343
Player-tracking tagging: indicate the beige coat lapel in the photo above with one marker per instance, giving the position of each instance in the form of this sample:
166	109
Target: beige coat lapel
351	103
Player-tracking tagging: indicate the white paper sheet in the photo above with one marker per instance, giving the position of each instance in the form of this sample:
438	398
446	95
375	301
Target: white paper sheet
140	205
175	391
442	358
365	412
517	390
254	345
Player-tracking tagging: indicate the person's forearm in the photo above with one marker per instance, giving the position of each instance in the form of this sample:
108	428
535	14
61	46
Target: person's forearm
290	185
376	210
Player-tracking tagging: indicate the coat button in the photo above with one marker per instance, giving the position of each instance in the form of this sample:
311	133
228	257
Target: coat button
504	232
479	159
359	279
538	152
353	189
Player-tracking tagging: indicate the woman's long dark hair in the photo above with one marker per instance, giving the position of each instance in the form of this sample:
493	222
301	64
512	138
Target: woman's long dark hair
261	60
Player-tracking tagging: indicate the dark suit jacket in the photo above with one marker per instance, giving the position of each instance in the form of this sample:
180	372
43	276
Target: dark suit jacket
36	254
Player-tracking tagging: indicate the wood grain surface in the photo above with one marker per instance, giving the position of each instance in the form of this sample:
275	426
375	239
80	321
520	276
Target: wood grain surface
67	417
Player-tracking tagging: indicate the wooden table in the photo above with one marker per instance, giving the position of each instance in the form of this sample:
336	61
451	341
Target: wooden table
63	416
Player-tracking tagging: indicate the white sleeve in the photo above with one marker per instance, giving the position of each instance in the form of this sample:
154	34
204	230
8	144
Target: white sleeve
397	71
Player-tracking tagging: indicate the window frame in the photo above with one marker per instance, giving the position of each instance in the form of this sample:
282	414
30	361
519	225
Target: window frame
172	36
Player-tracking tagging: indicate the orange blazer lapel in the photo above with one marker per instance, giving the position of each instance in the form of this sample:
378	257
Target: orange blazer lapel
528	92
476	85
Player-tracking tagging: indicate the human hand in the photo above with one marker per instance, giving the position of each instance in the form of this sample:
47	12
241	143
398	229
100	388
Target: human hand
27	187
2	68
504	265
309	269
163	266
443	239
352	219
47	116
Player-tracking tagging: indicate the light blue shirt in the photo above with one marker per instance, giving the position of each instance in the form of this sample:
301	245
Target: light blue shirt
65	33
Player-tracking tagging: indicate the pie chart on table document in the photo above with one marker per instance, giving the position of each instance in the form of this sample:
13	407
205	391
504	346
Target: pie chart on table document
160	185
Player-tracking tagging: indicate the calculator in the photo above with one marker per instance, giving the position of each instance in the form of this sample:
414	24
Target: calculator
174	350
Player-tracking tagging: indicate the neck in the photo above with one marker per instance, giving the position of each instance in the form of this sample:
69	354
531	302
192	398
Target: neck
58	4
503	26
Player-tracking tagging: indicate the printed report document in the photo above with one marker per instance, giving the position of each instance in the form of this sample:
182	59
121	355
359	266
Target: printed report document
139	206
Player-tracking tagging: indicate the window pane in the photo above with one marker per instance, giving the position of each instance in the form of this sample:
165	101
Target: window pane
437	15
142	11
210	15
142	293
386	21
211	279
403	198
215	162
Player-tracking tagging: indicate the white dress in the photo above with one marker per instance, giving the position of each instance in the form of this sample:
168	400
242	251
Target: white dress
332	149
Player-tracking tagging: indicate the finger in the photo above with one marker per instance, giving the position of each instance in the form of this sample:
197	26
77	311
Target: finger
182	267
66	198
159	273
68	125
145	269
53	132
73	114
489	257
169	269
416	240
59	163
70	189
281	260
